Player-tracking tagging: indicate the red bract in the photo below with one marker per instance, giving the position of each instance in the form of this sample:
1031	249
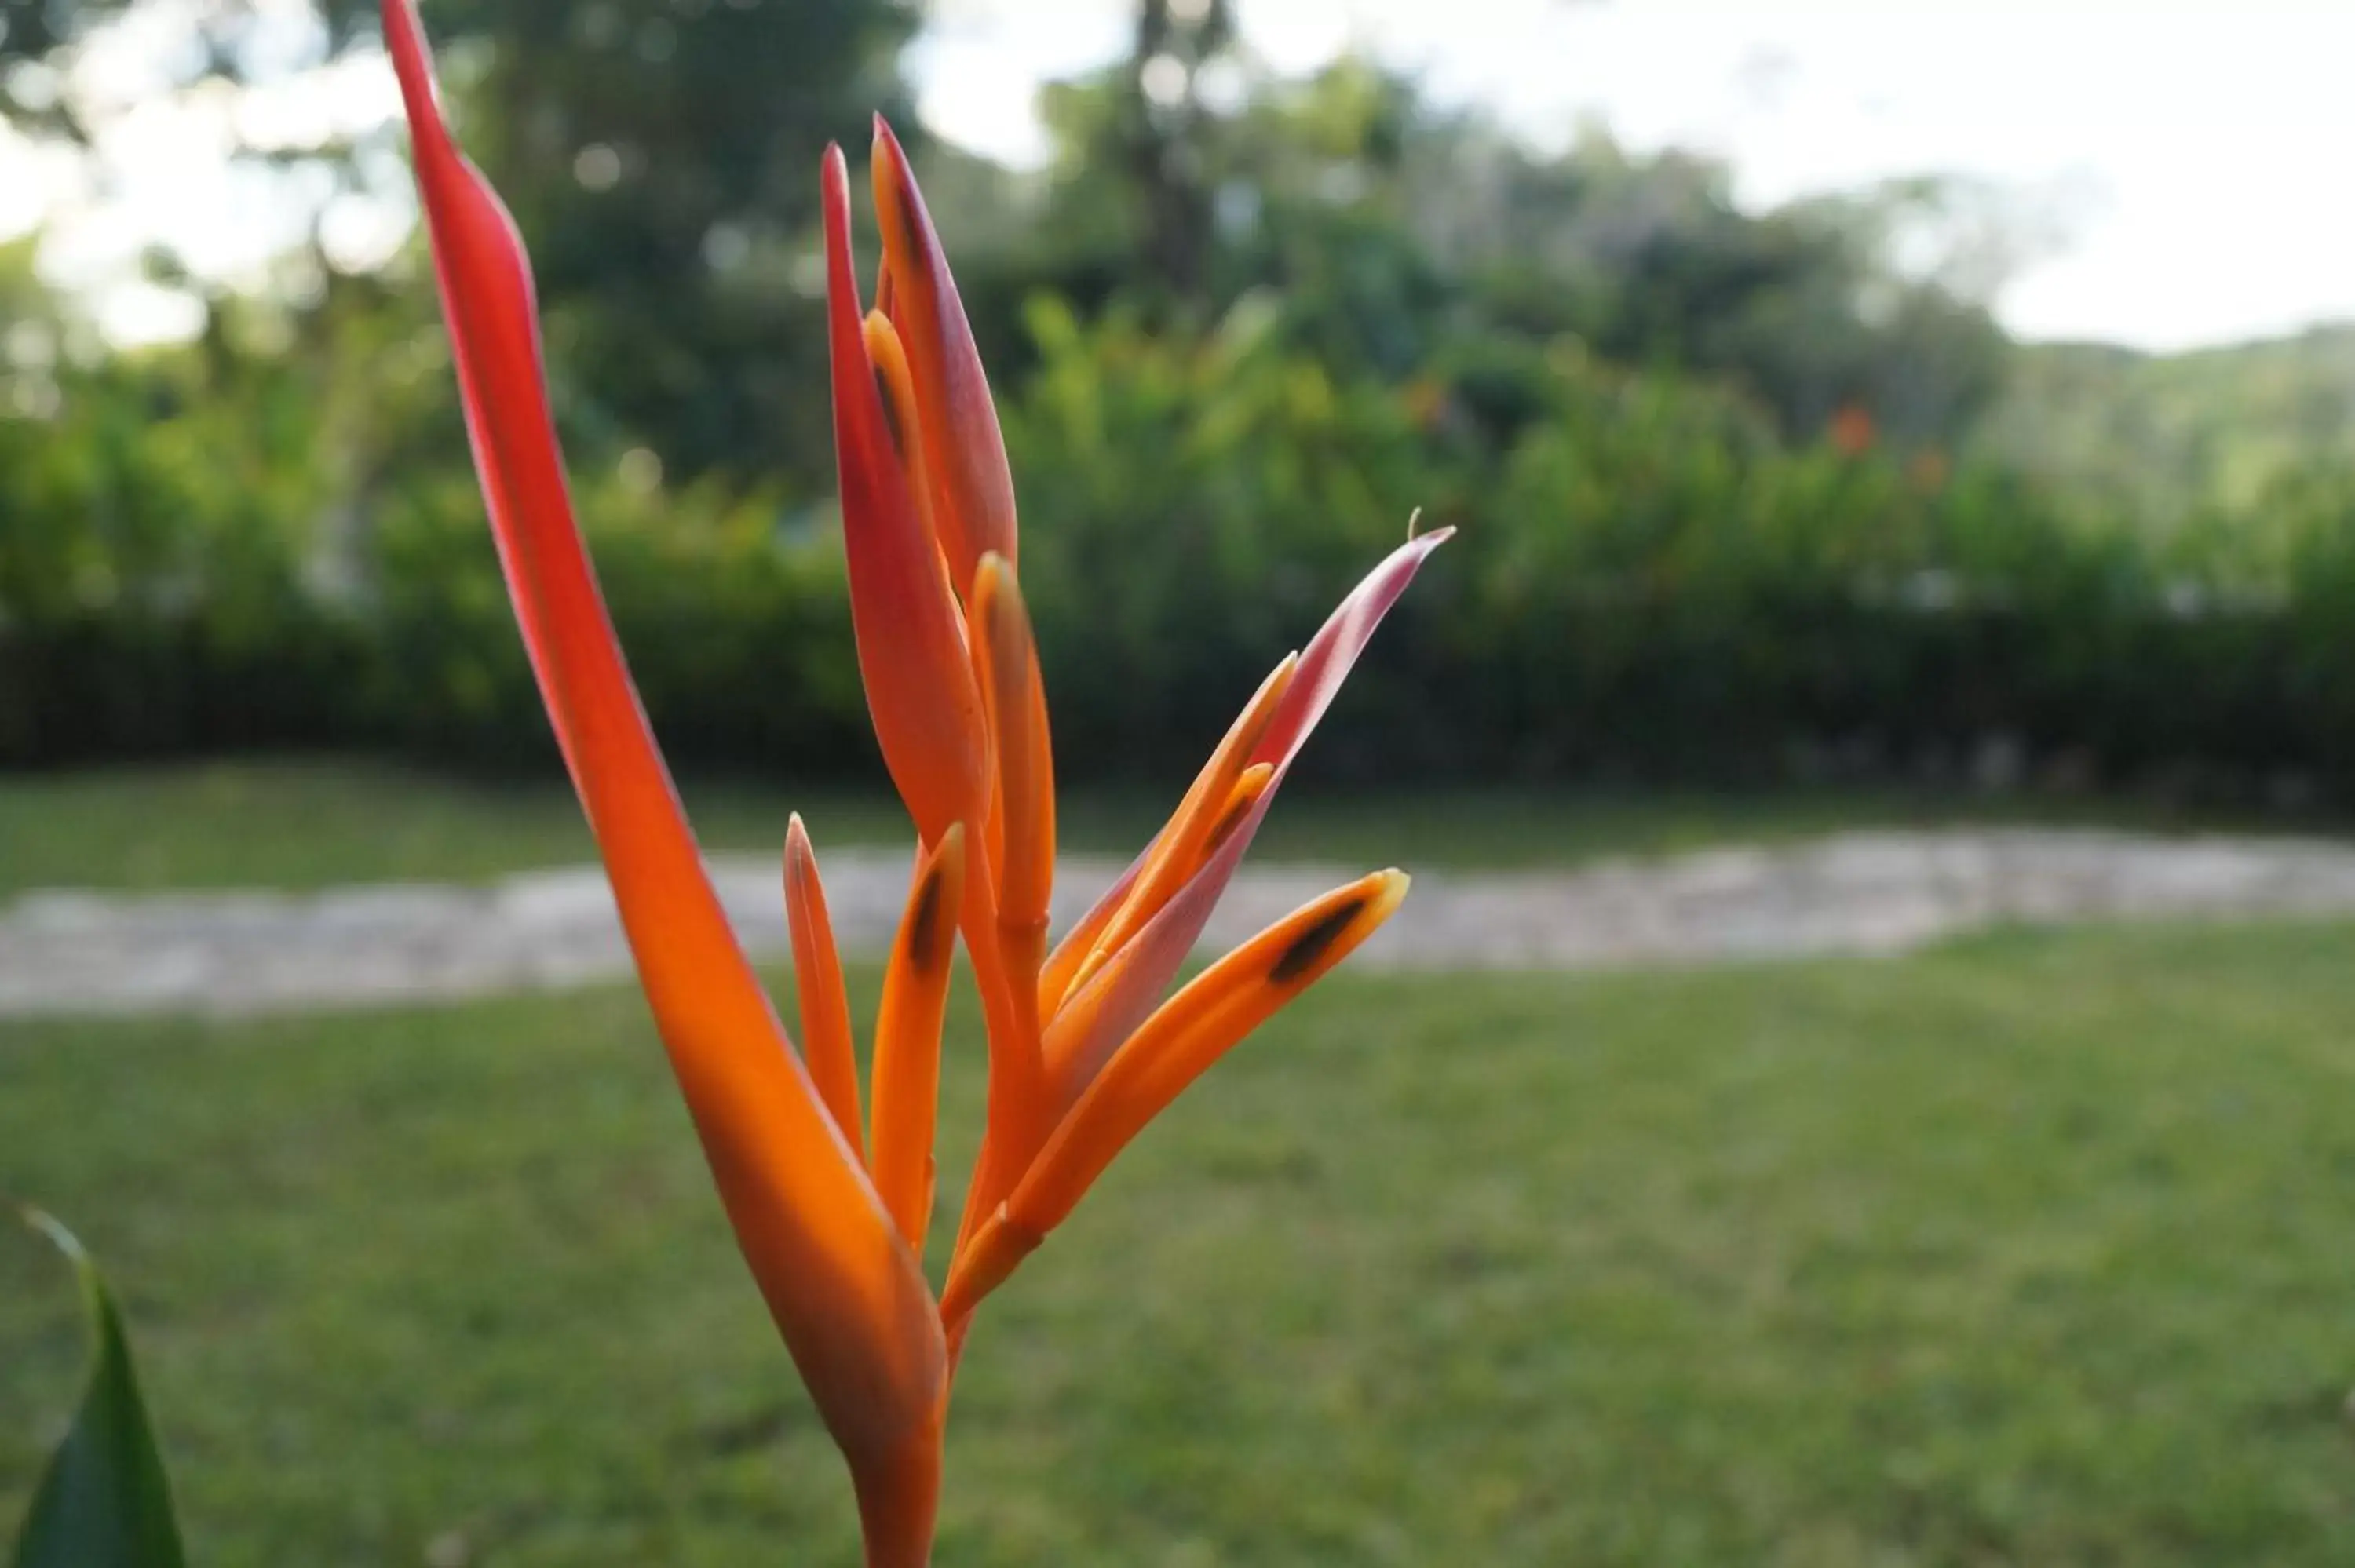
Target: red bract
1083	1052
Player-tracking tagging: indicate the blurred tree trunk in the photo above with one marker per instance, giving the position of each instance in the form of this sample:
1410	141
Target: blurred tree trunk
1164	116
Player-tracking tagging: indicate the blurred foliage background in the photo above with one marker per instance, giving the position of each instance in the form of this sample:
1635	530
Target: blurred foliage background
1747	495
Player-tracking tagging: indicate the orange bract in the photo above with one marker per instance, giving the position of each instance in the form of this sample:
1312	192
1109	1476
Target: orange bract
1082	1050
908	1039
817	978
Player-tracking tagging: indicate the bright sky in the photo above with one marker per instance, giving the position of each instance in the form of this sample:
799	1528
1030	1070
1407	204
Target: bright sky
2194	151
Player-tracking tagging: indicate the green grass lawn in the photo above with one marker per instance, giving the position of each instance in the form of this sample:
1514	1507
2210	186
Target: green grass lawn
309	824
2034	1249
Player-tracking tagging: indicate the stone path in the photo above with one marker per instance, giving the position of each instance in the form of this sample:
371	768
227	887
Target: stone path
66	952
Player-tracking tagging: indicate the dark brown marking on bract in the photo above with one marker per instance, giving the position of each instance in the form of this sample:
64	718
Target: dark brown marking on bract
1311	945
928	926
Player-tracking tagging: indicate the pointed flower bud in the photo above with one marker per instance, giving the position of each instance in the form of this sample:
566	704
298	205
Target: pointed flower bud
911	654
964	452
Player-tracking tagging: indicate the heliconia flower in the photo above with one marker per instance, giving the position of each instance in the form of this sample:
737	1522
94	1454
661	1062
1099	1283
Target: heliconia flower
1084	1051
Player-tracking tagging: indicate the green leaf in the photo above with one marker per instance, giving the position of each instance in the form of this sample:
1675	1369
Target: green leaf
104	1501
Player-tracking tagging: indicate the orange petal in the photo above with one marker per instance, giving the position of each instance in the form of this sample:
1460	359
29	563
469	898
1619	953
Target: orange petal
1078	943
1082	939
1008	940
1018	1111
1174	1047
891	365
1099	1015
1333	653
1249	787
826	1043
908	1039
911	654
1016	701
964	450
843	1286
1178	847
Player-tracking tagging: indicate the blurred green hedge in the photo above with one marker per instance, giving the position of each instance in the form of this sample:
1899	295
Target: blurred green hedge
1650	584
